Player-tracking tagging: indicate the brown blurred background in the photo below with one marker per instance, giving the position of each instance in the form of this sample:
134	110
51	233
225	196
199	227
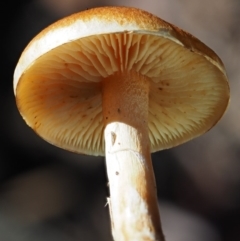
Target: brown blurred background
50	194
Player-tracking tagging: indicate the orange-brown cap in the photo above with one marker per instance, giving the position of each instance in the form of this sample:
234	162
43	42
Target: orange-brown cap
57	81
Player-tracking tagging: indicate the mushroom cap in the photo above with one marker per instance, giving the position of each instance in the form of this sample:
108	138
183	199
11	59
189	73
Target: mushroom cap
57	81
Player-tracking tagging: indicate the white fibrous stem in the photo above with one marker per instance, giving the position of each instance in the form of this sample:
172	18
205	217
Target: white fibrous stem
133	199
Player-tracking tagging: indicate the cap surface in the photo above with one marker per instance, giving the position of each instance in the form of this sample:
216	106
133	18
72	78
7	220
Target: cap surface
57	81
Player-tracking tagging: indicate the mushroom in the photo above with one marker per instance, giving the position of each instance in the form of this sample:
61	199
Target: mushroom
123	82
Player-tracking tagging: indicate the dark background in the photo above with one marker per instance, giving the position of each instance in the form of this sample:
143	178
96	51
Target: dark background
50	194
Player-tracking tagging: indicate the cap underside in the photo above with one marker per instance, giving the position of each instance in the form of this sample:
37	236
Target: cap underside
59	95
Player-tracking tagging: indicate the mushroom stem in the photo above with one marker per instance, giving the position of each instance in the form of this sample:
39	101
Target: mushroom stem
133	199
